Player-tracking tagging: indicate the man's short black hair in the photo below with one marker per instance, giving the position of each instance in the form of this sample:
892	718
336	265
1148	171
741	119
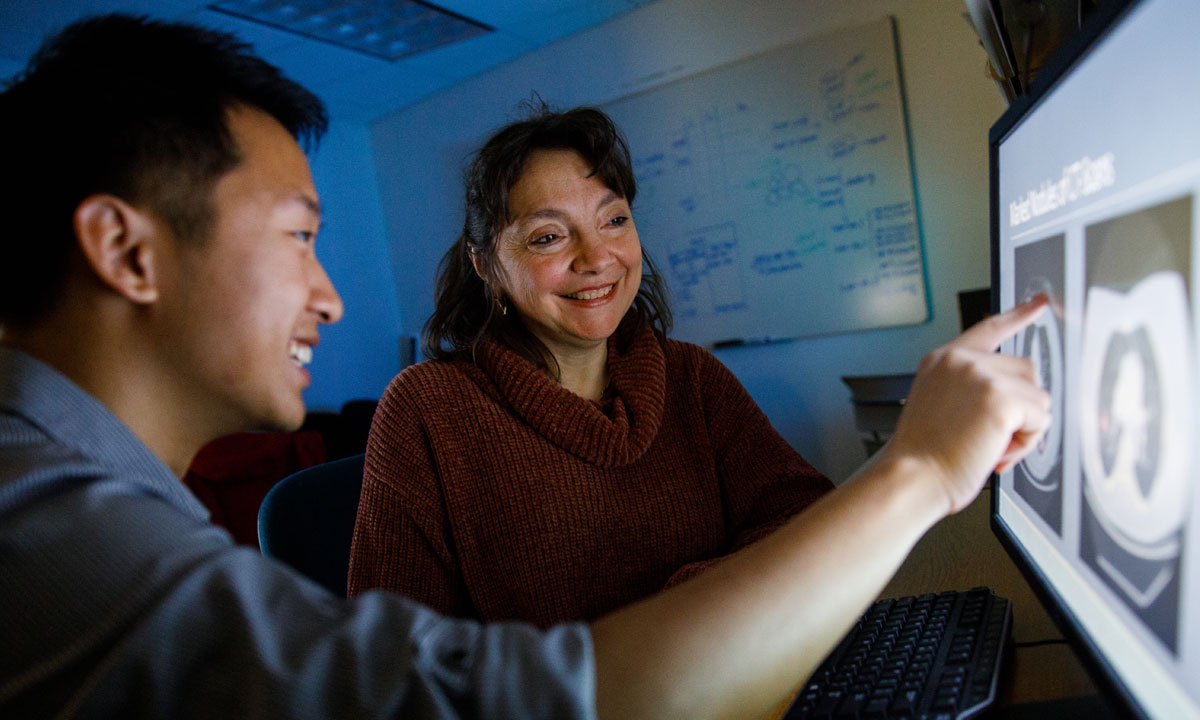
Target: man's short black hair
132	107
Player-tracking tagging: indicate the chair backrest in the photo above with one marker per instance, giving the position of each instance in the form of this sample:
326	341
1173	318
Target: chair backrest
307	520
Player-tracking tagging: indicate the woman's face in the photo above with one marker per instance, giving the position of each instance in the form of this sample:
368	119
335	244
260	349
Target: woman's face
570	260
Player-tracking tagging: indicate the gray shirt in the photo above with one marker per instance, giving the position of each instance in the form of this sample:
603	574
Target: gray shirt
119	599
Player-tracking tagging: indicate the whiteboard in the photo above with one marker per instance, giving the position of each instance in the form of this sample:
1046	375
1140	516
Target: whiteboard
775	193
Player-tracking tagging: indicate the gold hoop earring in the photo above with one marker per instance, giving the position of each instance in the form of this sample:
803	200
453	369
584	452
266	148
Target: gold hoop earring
500	304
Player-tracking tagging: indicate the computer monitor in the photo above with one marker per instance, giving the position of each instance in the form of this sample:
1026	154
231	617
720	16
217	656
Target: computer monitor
1095	201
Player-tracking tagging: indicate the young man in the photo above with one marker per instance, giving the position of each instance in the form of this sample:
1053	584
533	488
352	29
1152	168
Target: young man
160	289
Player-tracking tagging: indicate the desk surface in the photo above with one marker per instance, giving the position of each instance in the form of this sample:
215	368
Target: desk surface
962	552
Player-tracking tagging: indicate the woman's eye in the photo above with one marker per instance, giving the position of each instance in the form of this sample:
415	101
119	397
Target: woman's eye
304	236
619	220
544	239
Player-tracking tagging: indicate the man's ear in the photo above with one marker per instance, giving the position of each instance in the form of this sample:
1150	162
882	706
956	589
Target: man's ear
117	241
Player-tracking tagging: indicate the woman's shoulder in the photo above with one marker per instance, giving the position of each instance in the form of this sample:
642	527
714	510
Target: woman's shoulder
425	371
697	372
431	381
688	356
428	370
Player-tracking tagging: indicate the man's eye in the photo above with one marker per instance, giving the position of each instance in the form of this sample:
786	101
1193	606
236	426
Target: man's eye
619	220
304	236
544	239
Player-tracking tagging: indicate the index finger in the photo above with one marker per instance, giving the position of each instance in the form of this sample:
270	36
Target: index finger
987	334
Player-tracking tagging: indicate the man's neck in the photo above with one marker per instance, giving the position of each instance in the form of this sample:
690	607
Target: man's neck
117	374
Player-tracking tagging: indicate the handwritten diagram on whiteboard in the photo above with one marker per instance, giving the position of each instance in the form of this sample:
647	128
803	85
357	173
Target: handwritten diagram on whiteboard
776	193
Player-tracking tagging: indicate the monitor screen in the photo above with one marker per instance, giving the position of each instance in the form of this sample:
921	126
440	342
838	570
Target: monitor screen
1096	203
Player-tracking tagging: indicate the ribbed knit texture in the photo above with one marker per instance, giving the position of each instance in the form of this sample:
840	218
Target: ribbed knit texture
492	492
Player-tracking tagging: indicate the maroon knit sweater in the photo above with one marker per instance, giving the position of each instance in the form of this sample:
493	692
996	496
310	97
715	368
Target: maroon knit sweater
492	492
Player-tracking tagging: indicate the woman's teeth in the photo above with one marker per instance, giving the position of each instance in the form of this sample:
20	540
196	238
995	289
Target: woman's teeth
591	294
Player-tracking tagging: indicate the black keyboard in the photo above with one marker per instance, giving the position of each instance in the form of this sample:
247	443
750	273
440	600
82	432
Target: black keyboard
933	657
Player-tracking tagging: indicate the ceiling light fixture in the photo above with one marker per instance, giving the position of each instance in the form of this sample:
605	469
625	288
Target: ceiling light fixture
389	29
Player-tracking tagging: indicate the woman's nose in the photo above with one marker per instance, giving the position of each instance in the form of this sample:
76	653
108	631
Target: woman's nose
593	254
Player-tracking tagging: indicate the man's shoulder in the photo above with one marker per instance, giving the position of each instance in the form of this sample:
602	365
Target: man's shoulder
34	466
16	430
25	445
35	463
56	441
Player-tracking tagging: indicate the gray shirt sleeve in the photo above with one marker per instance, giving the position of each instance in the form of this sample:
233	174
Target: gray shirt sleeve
115	603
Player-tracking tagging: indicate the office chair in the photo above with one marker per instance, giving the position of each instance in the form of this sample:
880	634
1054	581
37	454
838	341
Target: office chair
307	520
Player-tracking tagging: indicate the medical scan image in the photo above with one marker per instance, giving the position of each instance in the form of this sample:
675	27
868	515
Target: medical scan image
1038	268
1136	418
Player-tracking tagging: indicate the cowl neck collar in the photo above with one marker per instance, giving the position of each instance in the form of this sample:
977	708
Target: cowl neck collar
608	434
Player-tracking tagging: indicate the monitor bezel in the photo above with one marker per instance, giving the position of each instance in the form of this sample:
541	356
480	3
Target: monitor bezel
1097	26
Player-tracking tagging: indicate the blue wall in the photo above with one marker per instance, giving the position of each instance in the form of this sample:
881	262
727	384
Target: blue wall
358	356
8	68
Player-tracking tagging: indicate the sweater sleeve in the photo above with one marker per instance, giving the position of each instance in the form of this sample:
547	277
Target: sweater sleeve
764	481
402	533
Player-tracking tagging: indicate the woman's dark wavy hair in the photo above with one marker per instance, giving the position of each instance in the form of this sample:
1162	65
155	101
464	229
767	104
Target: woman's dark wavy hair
466	311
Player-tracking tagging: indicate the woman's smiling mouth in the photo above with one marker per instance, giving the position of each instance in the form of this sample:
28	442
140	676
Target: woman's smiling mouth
593	294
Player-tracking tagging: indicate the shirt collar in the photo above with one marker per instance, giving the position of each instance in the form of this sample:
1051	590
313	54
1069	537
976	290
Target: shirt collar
71	417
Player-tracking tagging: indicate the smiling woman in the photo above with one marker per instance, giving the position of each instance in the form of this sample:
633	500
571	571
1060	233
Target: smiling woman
569	262
560	456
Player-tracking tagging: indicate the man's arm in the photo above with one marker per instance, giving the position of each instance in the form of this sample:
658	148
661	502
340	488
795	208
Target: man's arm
734	641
